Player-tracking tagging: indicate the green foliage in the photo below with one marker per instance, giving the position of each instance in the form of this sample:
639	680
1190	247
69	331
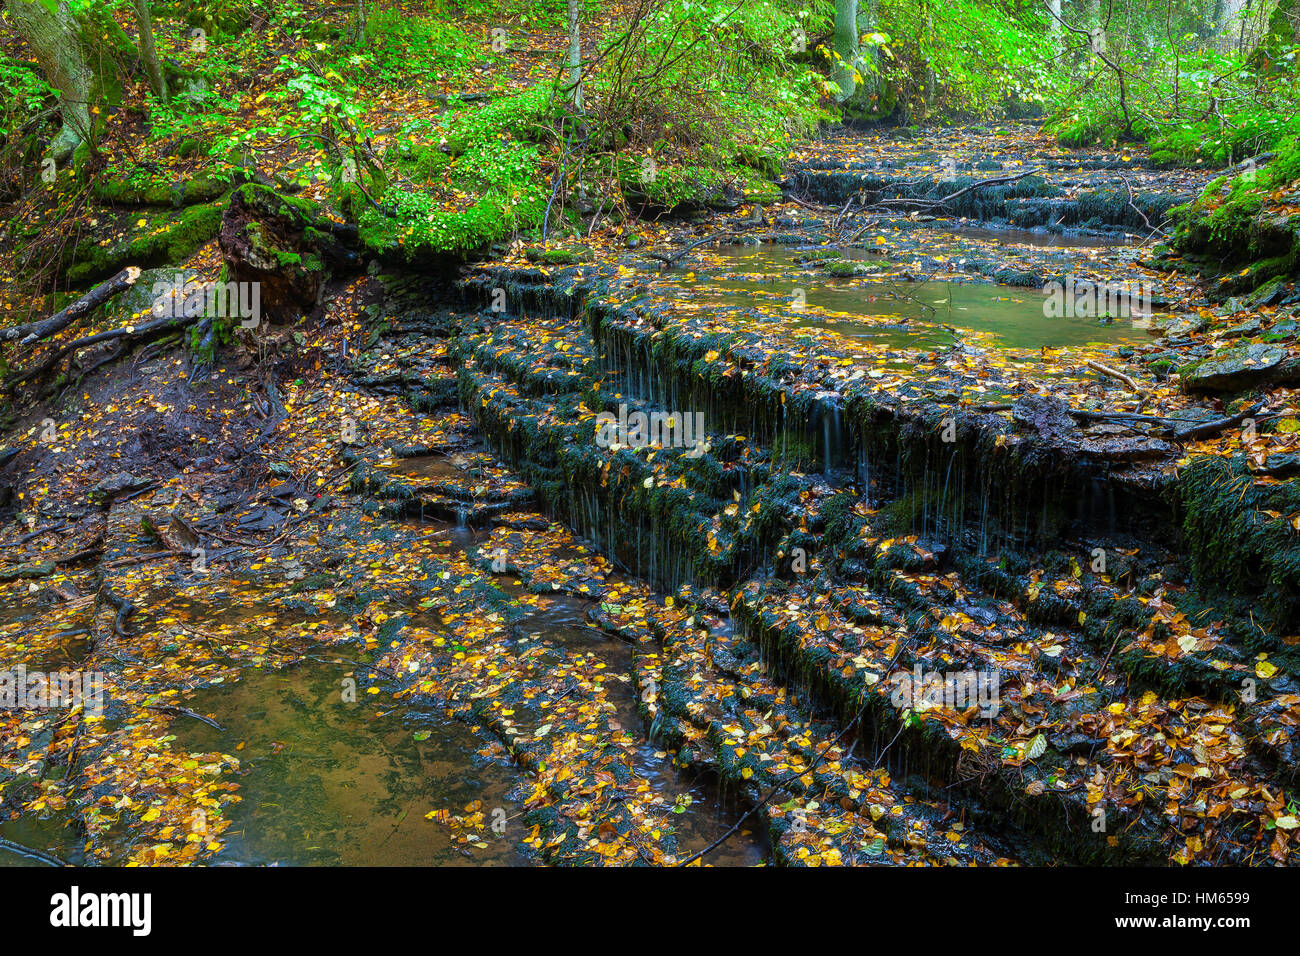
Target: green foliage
1228	206
168	239
23	95
1244	134
751	51
457	199
1247	189
523	117
1193	105
203	122
670	95
965	57
530	14
23	89
399	45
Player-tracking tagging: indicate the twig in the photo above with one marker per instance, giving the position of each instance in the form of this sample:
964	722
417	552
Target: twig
41	855
1116	374
1219	424
937	203
670	261
36	534
186	712
791	776
1133	206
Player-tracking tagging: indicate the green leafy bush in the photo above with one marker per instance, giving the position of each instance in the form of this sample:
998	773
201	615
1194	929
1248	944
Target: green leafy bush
399	45
697	88
479	183
1192	104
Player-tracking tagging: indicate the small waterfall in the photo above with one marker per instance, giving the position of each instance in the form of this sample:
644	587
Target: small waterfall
830	412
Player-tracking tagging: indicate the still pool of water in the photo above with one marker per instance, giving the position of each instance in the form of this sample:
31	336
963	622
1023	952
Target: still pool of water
325	782
899	313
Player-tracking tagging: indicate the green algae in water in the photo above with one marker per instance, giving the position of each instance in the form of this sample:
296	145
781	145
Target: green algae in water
51	835
325	782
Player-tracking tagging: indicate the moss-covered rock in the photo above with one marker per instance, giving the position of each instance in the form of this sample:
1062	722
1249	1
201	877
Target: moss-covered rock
1236	231
158	191
558	255
171	238
1234	542
1233	369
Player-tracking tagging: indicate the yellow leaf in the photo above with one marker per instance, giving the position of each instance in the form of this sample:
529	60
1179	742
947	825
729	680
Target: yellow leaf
1036	747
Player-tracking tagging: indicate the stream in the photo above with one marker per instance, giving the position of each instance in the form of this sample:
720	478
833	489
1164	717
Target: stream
338	762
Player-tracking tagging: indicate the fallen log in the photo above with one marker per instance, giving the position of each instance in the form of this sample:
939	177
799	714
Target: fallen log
1219	424
185	712
47	858
35	331
1254	162
47	566
937	203
124	609
670	261
1156	420
130	333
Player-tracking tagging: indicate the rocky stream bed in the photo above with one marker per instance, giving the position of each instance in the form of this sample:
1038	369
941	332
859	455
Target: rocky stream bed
581	555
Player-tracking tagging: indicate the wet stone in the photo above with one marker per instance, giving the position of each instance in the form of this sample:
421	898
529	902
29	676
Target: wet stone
1050	416
114	487
1251	327
1178	326
1233	369
1126	449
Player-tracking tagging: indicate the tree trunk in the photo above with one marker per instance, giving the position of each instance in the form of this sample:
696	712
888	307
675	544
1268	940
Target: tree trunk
1281	34
1227	22
846	48
361	21
148	52
575	55
1284	24
55	38
867	15
1054	23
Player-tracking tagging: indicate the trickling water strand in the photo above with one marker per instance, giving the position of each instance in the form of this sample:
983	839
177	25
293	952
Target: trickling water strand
925	494
947	478
984	517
